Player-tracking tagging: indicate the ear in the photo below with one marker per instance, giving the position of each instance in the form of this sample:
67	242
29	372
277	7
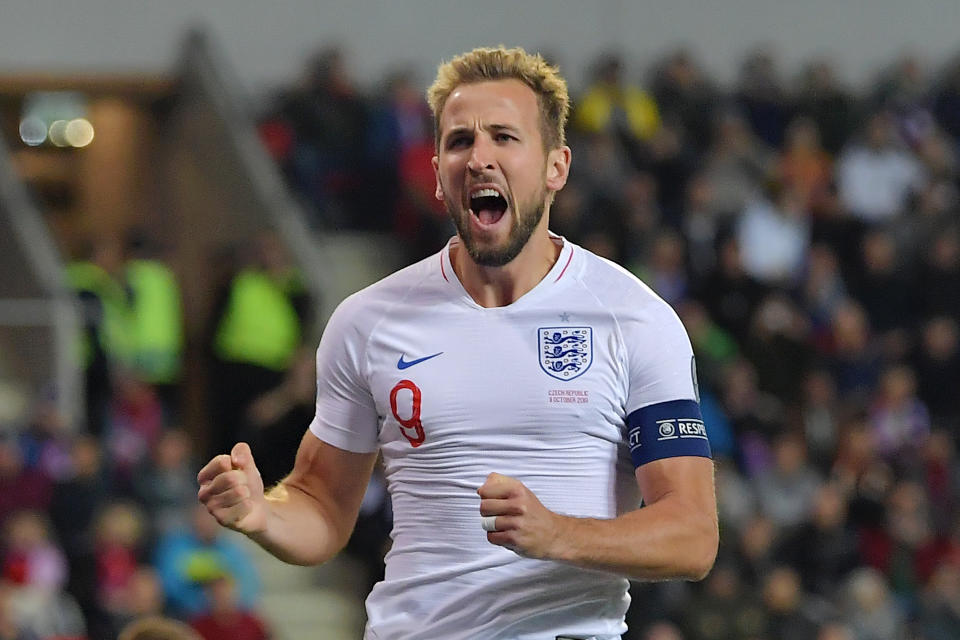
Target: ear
558	168
436	174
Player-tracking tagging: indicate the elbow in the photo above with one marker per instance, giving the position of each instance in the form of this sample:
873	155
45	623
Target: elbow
704	553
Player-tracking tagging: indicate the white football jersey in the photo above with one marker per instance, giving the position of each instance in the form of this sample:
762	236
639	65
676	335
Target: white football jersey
539	390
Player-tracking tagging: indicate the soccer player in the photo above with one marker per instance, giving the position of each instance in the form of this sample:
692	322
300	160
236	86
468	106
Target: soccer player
521	390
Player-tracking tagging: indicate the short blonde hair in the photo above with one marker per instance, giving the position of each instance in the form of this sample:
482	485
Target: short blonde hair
499	63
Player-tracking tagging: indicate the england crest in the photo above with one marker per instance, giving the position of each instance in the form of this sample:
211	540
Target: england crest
565	352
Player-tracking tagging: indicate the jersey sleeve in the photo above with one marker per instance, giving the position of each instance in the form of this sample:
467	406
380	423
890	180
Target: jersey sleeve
663	410
346	415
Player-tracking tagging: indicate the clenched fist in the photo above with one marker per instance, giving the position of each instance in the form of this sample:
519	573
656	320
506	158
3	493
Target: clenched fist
232	491
516	519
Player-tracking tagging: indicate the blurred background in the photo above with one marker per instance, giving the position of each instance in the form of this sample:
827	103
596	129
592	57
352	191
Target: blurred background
186	193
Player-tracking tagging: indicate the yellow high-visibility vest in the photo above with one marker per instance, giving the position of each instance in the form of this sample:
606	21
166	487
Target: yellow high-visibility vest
157	321
260	325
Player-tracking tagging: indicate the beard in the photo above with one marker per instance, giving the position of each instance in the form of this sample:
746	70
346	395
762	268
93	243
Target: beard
525	220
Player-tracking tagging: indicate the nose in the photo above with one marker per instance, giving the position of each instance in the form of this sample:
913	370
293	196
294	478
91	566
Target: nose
481	155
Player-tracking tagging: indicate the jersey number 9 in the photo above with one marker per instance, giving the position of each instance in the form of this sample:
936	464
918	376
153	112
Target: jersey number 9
411	428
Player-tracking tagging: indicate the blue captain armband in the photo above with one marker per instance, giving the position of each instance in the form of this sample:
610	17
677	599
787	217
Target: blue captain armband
667	430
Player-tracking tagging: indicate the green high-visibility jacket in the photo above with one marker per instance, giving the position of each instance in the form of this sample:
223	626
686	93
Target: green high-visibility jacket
260	325
157	321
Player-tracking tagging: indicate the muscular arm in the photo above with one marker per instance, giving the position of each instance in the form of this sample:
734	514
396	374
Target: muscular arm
675	535
308	517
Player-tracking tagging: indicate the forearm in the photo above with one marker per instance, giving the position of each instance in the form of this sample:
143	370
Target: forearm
666	540
298	529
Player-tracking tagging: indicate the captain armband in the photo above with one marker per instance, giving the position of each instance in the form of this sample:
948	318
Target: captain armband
667	430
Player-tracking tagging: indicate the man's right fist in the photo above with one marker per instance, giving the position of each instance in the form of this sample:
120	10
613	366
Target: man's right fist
232	491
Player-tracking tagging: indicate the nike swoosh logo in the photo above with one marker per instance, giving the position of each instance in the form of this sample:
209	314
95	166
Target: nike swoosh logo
406	364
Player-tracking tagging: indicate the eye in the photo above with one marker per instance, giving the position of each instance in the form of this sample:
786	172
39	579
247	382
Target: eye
504	137
458	142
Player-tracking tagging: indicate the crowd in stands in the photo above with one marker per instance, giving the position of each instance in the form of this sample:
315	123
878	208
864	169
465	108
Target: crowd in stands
100	521
808	235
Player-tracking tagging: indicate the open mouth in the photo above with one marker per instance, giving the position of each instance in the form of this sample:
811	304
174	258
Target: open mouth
488	205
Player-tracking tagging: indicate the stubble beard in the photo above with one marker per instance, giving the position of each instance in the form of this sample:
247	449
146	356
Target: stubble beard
525	220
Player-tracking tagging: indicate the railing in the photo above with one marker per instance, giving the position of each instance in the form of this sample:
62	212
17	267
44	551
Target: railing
206	70
42	301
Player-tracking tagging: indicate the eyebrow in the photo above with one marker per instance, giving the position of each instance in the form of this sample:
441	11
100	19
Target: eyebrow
461	129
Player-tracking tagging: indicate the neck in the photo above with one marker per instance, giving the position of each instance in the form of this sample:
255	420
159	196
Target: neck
500	286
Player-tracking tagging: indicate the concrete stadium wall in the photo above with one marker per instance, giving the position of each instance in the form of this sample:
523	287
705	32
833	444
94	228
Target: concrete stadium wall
267	41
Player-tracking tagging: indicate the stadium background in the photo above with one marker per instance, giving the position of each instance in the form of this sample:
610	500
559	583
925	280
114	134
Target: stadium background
287	143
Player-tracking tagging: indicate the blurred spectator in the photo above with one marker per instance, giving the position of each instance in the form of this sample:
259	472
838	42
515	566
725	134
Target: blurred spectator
45	442
31	558
370	540
714	347
612	105
875	176
736	164
755	550
120	534
158	628
940	613
641	221
729	293
821	98
820	417
10	627
835	631
897	550
755	416
662	631
277	420
701	226
78	498
804	167
142	598
939	281
870	611
166	485
854	359
725	609
157	322
685	95
105	318
43	614
884	288
790	615
188	559
260	321
328	119
761	95
400	144
902	90
773	233
946	100
134	426
20	486
823	291
940	475
787	490
938	370
824	548
664	270
671	161
900	421
736	497
226	620
779	347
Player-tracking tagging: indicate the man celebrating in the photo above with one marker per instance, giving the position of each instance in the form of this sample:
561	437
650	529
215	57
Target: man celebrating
521	391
